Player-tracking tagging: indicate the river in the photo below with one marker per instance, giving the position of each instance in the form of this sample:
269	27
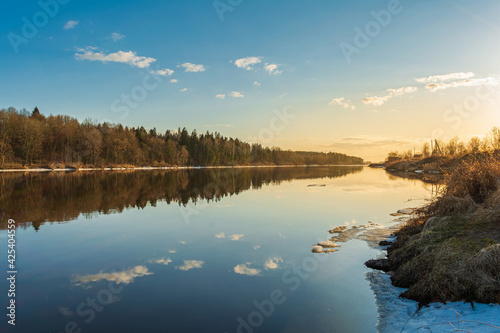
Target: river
216	250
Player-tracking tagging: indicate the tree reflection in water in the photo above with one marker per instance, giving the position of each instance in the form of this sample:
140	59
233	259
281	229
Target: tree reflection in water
33	199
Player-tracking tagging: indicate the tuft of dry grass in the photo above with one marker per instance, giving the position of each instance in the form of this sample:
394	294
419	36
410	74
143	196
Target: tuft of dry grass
451	205
494	199
484	267
477	178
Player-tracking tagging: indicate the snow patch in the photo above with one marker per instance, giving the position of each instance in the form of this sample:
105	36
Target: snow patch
398	314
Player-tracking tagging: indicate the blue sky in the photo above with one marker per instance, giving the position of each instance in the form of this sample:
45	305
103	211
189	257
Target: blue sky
263	58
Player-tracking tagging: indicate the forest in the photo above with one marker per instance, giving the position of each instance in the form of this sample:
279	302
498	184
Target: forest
30	139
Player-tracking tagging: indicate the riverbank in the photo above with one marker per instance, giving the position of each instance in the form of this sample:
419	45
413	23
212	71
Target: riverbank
430	165
399	314
449	251
172	168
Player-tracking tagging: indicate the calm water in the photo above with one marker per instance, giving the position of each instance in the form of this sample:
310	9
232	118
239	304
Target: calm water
196	251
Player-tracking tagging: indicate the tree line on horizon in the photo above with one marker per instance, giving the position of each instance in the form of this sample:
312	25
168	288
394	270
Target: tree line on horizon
30	138
455	147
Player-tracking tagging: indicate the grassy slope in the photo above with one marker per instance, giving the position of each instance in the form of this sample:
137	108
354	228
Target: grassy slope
451	250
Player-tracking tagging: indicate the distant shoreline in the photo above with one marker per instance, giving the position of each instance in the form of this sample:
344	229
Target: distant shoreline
175	168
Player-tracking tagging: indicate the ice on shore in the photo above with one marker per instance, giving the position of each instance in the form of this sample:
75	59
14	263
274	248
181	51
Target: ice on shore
398	314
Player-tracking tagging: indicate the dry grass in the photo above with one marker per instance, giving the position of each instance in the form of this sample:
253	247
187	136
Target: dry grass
470	184
457	257
484	267
431	166
404	165
451	205
412	227
454	269
478	178
494	199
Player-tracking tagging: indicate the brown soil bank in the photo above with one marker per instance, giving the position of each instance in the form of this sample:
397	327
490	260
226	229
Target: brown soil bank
451	250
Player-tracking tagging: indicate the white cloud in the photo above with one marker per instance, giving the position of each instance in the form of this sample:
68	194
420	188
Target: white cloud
256	83
236	237
162	261
273	69
70	24
401	91
346	104
237	94
172	251
124	277
182	242
234	94
461	79
445	77
245	270
248	62
273	263
65	311
489	81
377	101
368	142
183	90
256	247
165	71
173	81
129	58
191	264
116	36
189	67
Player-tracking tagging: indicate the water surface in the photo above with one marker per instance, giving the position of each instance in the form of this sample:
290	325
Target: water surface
197	250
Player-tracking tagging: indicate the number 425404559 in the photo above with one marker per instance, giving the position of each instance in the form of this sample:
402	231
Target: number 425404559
11	242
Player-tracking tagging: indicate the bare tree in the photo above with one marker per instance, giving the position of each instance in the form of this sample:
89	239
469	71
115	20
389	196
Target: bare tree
474	145
31	135
495	138
452	146
426	149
